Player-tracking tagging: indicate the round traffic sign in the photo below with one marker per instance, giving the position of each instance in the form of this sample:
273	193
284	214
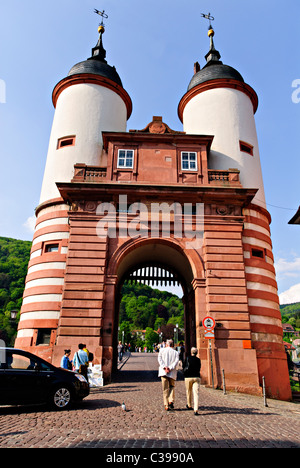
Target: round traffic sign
209	323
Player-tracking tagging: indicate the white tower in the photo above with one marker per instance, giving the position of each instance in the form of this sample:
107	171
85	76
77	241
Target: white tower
218	102
90	100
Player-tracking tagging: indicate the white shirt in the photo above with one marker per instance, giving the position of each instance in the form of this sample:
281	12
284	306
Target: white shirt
168	357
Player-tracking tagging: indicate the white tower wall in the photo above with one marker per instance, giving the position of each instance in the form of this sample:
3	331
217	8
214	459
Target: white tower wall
84	111
227	114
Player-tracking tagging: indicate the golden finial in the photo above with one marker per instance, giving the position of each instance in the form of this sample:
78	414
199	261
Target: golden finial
211	32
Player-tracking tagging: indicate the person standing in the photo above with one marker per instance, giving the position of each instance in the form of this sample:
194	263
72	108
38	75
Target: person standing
120	351
191	370
65	360
168	360
81	361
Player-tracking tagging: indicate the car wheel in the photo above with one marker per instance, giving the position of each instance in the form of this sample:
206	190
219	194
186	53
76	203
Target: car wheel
61	398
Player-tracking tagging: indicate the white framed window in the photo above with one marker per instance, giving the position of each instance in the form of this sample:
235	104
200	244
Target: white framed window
125	158
189	161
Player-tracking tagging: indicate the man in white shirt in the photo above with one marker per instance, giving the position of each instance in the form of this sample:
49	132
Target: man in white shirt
168	360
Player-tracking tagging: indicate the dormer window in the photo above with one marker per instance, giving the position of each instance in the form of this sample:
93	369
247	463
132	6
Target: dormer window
188	161
125	159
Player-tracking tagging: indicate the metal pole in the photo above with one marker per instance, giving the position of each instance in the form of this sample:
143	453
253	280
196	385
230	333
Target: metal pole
224	386
211	364
264	392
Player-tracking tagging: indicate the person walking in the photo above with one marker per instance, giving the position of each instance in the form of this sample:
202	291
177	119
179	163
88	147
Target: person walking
191	370
168	360
81	361
120	351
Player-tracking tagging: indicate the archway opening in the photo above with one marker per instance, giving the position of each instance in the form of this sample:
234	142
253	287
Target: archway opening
162	271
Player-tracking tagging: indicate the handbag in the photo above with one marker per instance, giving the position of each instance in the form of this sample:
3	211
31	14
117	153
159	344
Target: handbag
82	367
187	366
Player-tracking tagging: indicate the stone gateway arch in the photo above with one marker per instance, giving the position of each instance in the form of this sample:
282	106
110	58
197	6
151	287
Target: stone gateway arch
188	202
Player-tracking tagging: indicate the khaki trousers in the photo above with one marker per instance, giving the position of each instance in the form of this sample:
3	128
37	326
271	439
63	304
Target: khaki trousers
168	386
192	387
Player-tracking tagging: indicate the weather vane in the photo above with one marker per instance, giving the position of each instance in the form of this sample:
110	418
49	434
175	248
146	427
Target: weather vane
101	13
208	17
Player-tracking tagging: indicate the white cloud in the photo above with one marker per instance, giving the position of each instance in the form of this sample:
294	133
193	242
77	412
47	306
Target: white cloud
30	223
288	268
291	295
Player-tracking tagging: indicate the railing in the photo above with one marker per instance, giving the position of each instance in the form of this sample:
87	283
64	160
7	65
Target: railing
96	174
230	177
84	173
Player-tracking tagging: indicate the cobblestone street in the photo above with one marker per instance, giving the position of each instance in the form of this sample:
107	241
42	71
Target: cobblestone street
224	421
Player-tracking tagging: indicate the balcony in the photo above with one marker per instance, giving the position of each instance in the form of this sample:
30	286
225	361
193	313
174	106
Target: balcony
84	173
96	174
230	178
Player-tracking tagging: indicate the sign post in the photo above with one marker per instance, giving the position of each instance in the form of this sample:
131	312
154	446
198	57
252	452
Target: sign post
209	324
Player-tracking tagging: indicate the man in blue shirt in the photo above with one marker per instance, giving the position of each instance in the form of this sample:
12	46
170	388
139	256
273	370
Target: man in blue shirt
81	361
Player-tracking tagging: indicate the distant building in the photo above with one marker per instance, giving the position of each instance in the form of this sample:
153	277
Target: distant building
287	328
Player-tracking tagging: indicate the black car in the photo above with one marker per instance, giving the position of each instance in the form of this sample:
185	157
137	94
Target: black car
28	379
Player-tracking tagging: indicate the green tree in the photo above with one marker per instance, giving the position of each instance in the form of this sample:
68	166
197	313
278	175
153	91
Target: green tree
14	258
151	338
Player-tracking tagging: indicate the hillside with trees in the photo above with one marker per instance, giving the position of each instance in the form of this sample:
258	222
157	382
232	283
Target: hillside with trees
145	308
290	313
14	257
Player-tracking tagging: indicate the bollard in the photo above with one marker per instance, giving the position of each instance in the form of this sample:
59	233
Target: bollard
264	392
224	386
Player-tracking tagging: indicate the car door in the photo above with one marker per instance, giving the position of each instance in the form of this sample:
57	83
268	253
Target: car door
26	381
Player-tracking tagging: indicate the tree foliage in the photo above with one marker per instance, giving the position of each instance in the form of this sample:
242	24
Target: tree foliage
290	313
14	258
144	307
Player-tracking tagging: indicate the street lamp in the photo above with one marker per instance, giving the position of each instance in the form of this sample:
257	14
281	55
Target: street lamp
176	334
13	315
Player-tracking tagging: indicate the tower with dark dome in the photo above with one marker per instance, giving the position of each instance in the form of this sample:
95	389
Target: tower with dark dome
218	102
88	101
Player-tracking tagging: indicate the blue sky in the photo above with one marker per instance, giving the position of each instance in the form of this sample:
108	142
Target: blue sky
153	46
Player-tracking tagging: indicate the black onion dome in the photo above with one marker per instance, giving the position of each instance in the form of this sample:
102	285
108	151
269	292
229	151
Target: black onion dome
214	69
215	72
96	64
96	67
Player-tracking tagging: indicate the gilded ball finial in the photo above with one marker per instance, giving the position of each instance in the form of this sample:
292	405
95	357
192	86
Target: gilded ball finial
211	32
101	29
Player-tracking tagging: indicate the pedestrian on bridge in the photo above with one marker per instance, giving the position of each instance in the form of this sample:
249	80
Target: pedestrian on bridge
168	360
191	370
